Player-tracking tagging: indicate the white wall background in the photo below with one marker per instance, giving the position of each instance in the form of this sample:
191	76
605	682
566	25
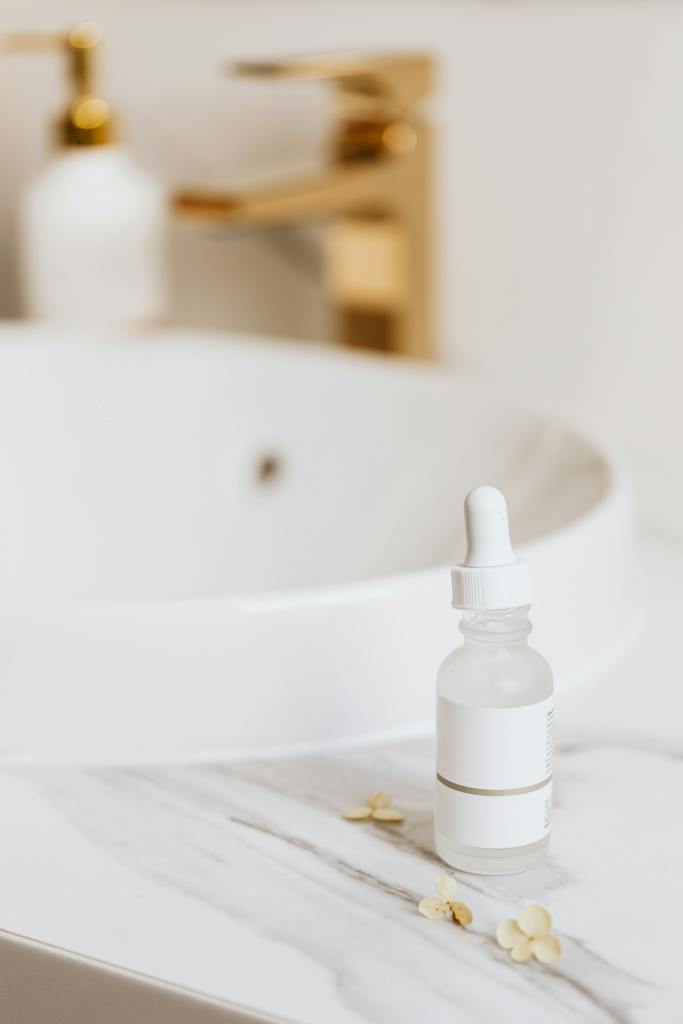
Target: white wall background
560	132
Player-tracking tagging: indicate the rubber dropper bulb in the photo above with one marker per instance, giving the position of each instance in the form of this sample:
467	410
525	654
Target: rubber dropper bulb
487	528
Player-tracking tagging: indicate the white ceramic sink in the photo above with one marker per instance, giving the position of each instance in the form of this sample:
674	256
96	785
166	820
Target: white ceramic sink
218	545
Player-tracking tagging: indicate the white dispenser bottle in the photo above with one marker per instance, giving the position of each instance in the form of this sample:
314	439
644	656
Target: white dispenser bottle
494	710
92	224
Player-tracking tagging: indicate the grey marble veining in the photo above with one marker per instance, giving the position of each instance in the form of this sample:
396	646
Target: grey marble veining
264	843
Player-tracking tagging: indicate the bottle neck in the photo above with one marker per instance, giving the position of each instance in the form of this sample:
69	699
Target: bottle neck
499	626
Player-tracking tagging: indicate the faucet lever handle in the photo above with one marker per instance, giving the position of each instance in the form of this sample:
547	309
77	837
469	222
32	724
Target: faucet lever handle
405	77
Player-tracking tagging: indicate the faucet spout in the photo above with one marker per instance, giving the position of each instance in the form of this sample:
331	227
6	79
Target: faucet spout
362	187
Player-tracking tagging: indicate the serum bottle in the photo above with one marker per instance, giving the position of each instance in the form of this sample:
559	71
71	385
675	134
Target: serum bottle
494	710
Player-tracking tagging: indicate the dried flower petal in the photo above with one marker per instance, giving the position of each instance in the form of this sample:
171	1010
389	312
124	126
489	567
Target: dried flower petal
461	913
432	908
522	952
357	813
529	935
379	799
546	949
446	886
535	921
387	814
509	934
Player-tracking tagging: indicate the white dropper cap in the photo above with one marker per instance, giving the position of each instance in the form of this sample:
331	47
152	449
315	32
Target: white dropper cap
491	576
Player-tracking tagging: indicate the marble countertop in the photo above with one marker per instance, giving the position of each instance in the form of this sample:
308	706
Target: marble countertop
243	882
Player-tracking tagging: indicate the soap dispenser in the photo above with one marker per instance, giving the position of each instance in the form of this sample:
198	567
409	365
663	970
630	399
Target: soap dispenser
92	224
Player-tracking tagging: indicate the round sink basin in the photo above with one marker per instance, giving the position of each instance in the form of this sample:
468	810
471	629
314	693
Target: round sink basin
213	545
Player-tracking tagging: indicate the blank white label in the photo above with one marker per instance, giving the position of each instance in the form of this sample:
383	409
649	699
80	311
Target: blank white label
493	774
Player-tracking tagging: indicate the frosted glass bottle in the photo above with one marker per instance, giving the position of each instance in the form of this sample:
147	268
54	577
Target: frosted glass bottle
496	671
494	709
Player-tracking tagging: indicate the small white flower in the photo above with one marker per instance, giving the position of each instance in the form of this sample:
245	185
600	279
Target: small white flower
377	808
447	888
529	935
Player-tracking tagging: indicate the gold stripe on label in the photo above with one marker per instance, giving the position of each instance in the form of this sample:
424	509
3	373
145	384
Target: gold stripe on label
492	792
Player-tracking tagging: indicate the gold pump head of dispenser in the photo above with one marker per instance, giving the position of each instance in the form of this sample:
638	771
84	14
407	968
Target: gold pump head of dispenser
88	119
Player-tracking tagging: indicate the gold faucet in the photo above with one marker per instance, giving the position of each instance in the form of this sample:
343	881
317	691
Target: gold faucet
374	191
